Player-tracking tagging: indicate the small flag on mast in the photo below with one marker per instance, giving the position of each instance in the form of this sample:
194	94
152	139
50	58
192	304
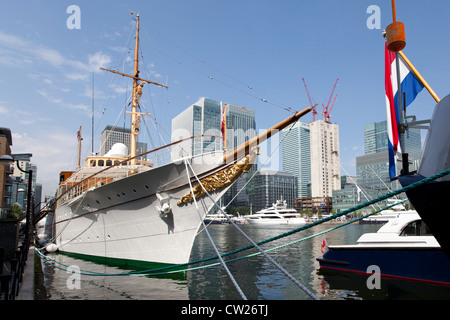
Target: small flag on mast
223	126
324	245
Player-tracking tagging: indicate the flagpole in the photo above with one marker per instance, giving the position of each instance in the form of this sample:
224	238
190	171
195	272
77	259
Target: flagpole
400	104
225	128
419	76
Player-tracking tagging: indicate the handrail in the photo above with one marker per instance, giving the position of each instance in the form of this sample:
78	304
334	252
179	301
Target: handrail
130	158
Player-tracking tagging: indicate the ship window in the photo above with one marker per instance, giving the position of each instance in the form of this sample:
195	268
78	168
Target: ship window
101	163
416	228
92	163
108	163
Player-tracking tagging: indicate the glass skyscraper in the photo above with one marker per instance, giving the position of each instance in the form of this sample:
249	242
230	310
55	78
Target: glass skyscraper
112	135
375	137
204	118
372	169
297	156
270	186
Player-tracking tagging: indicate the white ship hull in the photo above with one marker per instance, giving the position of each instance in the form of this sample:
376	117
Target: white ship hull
278	214
121	220
276	221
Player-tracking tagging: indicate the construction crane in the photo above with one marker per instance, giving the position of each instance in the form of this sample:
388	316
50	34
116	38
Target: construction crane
314	111
327	112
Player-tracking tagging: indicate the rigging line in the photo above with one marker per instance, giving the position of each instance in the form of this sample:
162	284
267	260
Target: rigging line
209	236
164	62
262	165
345	212
93	273
150	137
387	187
276	264
361	189
287	108
107	99
299	240
225	74
119	117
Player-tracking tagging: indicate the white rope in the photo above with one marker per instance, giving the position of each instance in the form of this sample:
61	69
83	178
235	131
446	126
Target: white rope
209	236
301	286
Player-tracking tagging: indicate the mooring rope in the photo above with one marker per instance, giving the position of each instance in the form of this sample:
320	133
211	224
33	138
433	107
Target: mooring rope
164	270
276	264
207	232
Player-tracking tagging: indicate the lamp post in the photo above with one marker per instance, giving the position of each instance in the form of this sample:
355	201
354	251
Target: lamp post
8	160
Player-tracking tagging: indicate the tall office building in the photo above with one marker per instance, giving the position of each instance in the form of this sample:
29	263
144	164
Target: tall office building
204	118
376	140
201	118
270	186
297	156
325	159
372	169
375	137
112	135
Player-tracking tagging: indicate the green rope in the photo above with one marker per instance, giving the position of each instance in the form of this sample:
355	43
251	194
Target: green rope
299	240
157	271
368	203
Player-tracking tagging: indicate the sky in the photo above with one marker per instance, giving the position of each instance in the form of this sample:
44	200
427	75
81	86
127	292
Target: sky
252	53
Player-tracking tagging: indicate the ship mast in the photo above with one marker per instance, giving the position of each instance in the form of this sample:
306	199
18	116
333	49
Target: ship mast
134	103
138	83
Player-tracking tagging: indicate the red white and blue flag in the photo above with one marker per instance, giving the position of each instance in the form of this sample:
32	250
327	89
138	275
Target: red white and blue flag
223	125
410	87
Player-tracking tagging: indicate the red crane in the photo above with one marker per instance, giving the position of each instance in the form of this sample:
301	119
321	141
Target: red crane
314	111
326	112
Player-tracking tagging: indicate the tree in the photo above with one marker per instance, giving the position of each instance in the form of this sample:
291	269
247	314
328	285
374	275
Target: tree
16	212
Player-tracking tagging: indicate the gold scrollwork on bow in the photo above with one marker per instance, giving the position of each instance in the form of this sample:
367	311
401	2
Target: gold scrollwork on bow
220	179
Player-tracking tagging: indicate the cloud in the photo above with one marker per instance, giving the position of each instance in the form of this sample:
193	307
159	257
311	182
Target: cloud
76	76
97	60
3	108
15	51
51	153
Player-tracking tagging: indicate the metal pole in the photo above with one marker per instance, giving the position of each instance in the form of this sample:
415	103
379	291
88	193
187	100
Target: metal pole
29	222
400	110
419	76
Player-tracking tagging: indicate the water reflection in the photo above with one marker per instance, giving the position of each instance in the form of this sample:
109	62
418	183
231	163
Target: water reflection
106	287
256	276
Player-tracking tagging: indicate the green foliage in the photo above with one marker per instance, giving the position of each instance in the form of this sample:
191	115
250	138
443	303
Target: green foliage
16	212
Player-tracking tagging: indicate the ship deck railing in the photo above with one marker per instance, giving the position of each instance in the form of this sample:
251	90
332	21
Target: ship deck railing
95	176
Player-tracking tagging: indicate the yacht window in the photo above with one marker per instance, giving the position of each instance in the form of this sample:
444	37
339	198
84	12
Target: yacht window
416	228
92	163
101	163
108	163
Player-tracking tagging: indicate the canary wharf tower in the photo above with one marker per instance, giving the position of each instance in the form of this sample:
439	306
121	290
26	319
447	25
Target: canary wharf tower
204	117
